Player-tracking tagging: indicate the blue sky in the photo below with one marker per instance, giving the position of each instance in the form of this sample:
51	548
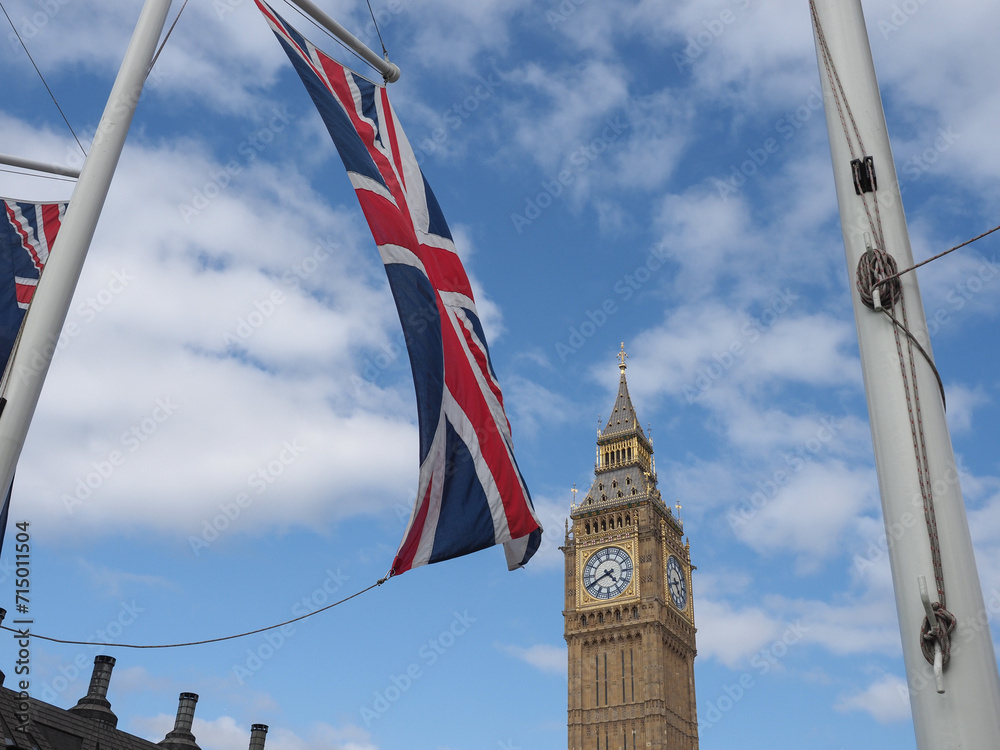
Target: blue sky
649	172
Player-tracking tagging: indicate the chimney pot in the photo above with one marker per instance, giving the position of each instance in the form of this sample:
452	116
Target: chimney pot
95	704
257	735
181	738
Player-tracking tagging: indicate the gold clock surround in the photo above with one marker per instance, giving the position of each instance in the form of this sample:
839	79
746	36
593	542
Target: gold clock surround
628	543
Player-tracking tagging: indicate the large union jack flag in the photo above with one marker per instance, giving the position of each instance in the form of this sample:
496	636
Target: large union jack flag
27	232
470	494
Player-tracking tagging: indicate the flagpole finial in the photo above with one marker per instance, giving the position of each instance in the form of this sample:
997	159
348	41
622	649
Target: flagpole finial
622	356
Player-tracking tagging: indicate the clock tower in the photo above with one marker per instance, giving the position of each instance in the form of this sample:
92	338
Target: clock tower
629	616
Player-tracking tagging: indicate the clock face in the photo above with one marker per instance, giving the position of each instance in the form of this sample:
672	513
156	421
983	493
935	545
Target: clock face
676	583
607	573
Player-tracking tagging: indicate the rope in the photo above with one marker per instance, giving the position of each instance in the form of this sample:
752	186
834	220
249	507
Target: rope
877	270
21	633
322	30
165	38
53	96
941	632
385	52
39	176
941	255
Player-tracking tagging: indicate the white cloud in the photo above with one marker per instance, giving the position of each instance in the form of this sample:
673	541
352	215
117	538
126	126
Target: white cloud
112	582
541	656
223	733
809	512
962	405
886	700
732	636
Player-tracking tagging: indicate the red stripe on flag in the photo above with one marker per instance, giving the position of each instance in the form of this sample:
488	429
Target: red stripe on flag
51	224
24	293
493	447
408	549
390	126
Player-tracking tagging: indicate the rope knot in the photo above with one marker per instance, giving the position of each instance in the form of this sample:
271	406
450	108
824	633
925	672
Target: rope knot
874	267
939	633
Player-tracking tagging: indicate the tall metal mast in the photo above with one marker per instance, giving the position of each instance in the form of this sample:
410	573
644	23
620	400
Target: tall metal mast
47	313
953	681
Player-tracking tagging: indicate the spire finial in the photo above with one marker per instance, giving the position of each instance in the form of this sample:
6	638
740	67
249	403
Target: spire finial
678	506
574	491
622	356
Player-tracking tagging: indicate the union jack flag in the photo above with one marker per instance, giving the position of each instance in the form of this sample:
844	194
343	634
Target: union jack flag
470	493
27	232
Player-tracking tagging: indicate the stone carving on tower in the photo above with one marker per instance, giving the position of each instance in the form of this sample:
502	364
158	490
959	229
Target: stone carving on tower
629	609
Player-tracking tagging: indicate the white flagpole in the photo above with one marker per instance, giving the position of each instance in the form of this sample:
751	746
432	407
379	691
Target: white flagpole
957	704
47	313
38	166
389	71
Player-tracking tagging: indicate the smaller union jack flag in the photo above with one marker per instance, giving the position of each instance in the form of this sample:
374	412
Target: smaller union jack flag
470	495
27	232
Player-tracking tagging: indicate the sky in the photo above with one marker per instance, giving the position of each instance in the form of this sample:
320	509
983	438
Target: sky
606	172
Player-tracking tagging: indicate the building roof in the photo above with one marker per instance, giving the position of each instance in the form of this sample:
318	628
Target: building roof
30	724
623	419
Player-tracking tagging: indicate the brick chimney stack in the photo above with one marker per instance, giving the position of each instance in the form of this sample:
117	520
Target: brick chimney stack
181	738
95	704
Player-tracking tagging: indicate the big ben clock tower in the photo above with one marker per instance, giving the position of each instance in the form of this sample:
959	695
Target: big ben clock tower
629	617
